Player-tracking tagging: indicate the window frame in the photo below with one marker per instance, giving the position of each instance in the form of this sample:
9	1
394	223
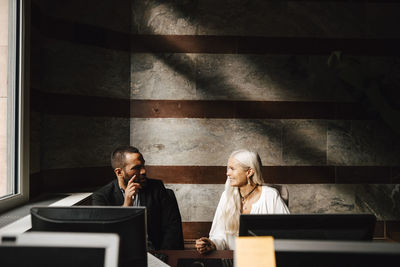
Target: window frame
18	93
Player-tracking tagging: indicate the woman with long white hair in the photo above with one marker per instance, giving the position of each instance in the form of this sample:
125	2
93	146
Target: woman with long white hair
244	194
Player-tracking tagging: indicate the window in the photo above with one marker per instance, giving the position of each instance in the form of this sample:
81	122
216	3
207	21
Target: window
14	170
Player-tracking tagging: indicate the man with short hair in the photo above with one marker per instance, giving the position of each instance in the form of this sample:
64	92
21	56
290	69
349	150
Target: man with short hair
133	188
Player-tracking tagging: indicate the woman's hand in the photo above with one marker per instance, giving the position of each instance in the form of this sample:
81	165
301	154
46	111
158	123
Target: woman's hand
204	245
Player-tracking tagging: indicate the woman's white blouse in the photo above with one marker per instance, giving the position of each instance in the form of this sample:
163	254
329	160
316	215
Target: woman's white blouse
268	203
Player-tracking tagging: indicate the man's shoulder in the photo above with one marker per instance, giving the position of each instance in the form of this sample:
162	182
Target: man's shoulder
106	188
151	182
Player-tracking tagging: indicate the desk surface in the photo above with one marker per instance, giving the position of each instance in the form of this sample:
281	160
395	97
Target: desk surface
174	255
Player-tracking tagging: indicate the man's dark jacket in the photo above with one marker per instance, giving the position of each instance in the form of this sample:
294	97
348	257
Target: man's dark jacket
164	225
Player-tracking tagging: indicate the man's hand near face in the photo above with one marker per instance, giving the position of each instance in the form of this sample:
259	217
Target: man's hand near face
131	191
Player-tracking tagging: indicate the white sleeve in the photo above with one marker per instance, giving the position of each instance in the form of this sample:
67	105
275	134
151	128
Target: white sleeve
217	232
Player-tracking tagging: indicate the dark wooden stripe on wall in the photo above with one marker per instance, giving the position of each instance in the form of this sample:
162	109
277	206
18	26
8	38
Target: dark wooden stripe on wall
217	174
62	104
86	34
88	179
383	229
281	174
188	174
262	45
247	109
366	174
70	180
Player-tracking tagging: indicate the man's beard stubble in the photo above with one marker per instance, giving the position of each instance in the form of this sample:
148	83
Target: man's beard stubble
141	179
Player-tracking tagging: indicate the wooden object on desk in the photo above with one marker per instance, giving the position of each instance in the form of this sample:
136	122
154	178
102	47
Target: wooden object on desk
174	255
255	251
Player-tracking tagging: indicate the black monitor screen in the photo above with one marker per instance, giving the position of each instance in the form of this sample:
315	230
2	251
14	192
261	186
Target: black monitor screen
309	226
28	256
128	222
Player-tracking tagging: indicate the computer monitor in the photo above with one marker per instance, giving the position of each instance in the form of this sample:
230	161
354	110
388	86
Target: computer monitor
59	249
128	222
305	253
309	226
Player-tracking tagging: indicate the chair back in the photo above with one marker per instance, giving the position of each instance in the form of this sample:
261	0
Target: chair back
283	191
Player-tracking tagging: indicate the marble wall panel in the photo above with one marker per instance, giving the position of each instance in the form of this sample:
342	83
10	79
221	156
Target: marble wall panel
164	17
387	144
383	200
266	18
339	143
263	136
113	15
70	68
322	198
283	18
163	76
234	77
362	143
199	202
73	141
266	77
204	141
279	142
304	142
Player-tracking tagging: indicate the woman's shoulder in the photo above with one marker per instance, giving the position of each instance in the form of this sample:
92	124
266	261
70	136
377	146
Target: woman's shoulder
270	191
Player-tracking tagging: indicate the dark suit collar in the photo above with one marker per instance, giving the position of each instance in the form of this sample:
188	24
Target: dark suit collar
119	198
142	197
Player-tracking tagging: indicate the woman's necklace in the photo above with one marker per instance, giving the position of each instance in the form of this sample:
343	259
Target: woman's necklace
243	198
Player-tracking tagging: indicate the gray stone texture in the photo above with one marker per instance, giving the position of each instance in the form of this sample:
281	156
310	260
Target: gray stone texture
163	76
235	77
199	202
362	143
380	200
267	18
78	69
383	200
205	141
304	142
321	198
71	68
74	141
164	17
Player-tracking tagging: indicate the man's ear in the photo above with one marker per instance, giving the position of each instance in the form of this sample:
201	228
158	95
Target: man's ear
118	172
